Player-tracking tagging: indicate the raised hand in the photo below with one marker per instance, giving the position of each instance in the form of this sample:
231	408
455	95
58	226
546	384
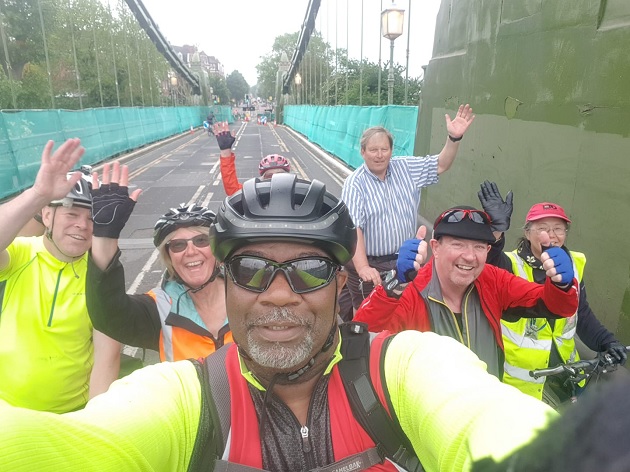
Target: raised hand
111	203
225	139
411	255
458	126
499	210
51	182
556	262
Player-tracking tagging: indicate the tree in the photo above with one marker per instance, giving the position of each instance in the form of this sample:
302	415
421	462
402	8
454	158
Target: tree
268	68
237	85
34	92
23	30
219	89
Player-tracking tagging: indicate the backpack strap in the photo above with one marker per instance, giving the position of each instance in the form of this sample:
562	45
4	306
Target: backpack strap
215	416
367	408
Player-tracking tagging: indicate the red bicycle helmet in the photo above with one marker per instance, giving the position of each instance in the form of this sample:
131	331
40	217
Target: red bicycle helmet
273	161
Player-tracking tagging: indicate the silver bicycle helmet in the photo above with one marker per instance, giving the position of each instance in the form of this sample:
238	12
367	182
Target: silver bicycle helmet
80	195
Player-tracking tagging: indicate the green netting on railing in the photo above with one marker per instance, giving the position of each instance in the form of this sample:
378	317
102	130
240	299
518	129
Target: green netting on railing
338	129
104	132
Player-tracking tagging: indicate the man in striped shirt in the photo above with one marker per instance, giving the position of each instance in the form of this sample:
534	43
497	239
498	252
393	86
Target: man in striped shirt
383	196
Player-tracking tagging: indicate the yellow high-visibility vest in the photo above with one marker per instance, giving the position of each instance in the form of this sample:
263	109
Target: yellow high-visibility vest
528	342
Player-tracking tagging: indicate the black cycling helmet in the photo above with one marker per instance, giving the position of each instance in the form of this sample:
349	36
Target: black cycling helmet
80	195
284	208
182	217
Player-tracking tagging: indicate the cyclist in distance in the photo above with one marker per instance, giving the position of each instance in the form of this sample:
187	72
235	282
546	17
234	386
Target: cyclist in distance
280	397
185	316
51	357
537	343
457	294
269	165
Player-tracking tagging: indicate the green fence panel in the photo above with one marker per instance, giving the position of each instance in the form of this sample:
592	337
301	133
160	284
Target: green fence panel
338	129
105	132
112	129
85	126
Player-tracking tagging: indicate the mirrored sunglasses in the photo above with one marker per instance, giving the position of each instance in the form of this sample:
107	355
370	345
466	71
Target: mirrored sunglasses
304	275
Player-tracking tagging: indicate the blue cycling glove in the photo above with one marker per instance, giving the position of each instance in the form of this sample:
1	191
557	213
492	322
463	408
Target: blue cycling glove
562	261
406	257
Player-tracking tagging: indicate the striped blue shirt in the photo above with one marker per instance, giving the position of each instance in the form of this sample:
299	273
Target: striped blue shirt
387	211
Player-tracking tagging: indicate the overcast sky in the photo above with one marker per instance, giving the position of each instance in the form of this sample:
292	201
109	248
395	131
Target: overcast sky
239	32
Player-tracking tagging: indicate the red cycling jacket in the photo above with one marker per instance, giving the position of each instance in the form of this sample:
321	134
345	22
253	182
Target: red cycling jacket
231	185
501	295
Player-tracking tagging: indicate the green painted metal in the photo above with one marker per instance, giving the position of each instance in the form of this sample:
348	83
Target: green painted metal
549	82
104	132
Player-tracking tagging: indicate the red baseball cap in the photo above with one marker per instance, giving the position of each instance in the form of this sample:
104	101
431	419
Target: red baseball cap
546	210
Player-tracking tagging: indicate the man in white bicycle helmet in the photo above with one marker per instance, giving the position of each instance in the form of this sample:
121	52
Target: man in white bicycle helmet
51	358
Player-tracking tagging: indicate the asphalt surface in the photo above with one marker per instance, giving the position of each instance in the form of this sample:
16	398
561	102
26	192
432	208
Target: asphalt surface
185	169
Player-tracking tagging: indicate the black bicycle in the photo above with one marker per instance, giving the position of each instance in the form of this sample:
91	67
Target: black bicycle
573	373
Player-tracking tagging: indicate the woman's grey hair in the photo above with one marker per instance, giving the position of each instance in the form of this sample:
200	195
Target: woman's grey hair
368	133
165	257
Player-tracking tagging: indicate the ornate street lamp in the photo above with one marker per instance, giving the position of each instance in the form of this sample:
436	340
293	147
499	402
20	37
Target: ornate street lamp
298	84
392	20
173	87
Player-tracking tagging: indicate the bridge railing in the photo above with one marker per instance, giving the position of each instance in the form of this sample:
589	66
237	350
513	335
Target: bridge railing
105	132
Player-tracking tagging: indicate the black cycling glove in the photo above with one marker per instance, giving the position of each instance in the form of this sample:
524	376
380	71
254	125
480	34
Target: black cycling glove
498	210
225	140
617	351
111	208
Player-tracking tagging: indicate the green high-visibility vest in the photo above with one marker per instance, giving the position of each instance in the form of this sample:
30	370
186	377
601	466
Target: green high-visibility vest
528	342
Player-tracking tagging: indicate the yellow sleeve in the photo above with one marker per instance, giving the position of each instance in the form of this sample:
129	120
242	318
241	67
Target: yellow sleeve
145	422
451	409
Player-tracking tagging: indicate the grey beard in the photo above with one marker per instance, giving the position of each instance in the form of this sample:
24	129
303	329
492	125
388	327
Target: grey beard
276	355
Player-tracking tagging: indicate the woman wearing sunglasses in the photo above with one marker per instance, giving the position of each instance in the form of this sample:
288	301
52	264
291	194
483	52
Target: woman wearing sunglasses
537	343
185	317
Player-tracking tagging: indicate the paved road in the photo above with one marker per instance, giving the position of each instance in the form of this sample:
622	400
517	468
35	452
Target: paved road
185	169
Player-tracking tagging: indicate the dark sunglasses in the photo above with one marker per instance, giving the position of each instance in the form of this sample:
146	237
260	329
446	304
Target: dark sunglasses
456	215
304	275
179	245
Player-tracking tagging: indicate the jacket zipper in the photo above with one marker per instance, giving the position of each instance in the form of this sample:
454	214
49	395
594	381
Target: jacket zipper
459	331
54	301
306	437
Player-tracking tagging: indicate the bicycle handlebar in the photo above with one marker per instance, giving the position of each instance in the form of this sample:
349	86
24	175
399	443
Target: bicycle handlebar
604	362
559	369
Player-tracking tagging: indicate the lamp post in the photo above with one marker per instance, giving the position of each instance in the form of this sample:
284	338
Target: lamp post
392	20
173	87
298	84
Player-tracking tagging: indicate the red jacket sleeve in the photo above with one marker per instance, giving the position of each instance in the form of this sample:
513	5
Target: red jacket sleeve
231	184
381	312
529	299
